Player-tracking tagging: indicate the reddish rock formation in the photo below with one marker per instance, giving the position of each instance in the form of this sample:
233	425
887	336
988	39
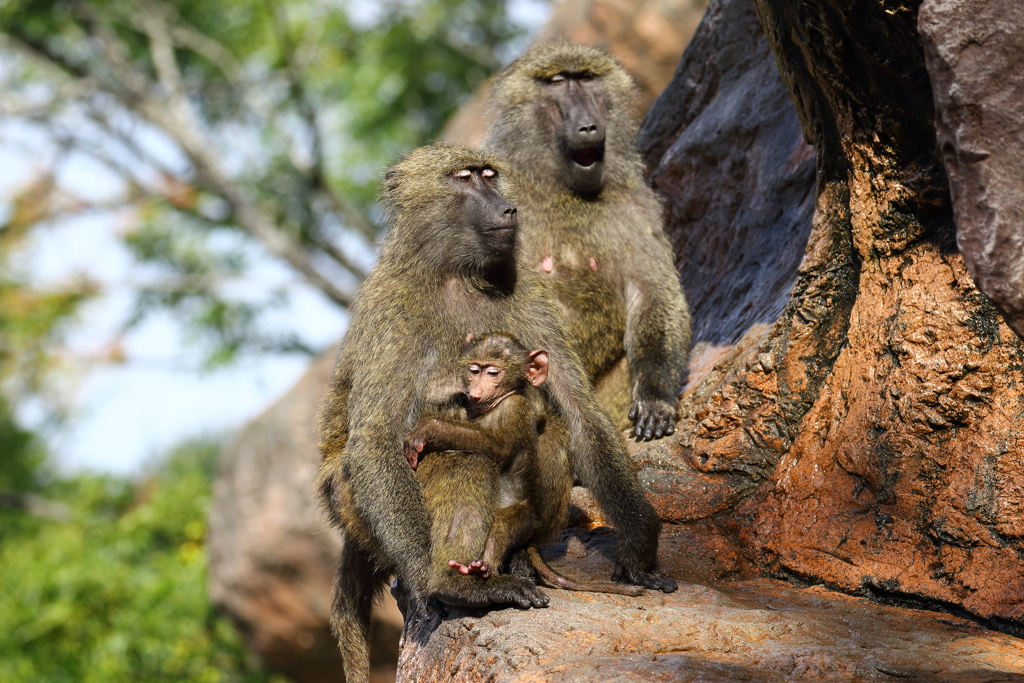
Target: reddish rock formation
904	475
853	414
973	52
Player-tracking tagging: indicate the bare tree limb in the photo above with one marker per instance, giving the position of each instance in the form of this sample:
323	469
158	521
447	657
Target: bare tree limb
345	210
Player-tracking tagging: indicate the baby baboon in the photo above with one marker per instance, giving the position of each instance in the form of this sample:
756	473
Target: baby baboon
450	263
502	410
564	115
504	416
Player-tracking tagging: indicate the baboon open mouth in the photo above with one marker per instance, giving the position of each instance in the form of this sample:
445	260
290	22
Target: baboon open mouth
588	156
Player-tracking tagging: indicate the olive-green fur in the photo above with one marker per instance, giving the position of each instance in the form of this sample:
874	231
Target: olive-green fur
632	306
399	363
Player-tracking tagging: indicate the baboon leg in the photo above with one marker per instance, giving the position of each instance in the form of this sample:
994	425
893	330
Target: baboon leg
357	584
512	527
614	394
461	490
553	481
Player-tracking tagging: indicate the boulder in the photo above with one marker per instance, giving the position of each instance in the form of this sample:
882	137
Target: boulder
973	53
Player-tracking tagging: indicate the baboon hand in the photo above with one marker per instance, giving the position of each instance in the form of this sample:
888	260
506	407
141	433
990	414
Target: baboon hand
413	447
652	579
422	615
653	418
497	590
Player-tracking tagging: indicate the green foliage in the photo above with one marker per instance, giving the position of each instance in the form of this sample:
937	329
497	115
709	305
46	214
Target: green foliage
117	592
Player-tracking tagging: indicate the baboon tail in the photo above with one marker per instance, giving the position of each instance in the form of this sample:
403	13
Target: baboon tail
356	585
555	580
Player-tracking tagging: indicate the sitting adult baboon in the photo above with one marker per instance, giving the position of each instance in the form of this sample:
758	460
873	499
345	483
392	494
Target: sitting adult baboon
564	115
450	265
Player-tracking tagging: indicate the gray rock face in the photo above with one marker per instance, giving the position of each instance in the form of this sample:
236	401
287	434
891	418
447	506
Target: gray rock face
974	52
726	151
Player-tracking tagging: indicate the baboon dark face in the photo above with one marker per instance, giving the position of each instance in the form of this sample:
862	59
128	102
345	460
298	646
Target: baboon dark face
478	204
576	105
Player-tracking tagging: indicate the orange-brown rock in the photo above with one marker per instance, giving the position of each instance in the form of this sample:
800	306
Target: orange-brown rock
853	416
708	632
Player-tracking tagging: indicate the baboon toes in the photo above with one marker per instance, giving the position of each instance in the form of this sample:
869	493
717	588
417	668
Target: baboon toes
653	419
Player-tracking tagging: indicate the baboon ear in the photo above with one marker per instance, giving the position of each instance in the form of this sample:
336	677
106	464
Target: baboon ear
537	368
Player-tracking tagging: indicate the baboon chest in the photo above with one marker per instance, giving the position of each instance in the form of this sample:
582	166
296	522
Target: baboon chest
587	285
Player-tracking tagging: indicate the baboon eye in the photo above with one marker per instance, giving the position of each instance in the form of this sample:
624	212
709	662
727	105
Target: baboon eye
585	76
493	372
489	173
464	174
474	369
558	78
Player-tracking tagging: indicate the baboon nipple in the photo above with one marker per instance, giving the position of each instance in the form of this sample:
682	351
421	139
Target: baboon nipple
547	264
593	264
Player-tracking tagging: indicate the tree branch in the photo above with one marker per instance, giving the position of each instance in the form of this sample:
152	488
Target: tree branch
345	210
173	112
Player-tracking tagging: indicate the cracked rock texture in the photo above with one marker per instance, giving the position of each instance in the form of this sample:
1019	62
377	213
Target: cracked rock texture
741	630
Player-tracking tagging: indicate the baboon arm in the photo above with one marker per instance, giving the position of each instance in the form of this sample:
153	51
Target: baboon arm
445	434
599	460
389	500
657	339
500	434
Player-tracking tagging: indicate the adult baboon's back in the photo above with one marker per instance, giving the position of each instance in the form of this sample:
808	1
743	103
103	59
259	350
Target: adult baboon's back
565	116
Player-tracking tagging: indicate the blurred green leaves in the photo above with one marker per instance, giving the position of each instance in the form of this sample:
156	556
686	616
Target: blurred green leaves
117	591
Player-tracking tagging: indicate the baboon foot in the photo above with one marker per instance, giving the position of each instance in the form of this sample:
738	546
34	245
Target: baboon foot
477	567
652	579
